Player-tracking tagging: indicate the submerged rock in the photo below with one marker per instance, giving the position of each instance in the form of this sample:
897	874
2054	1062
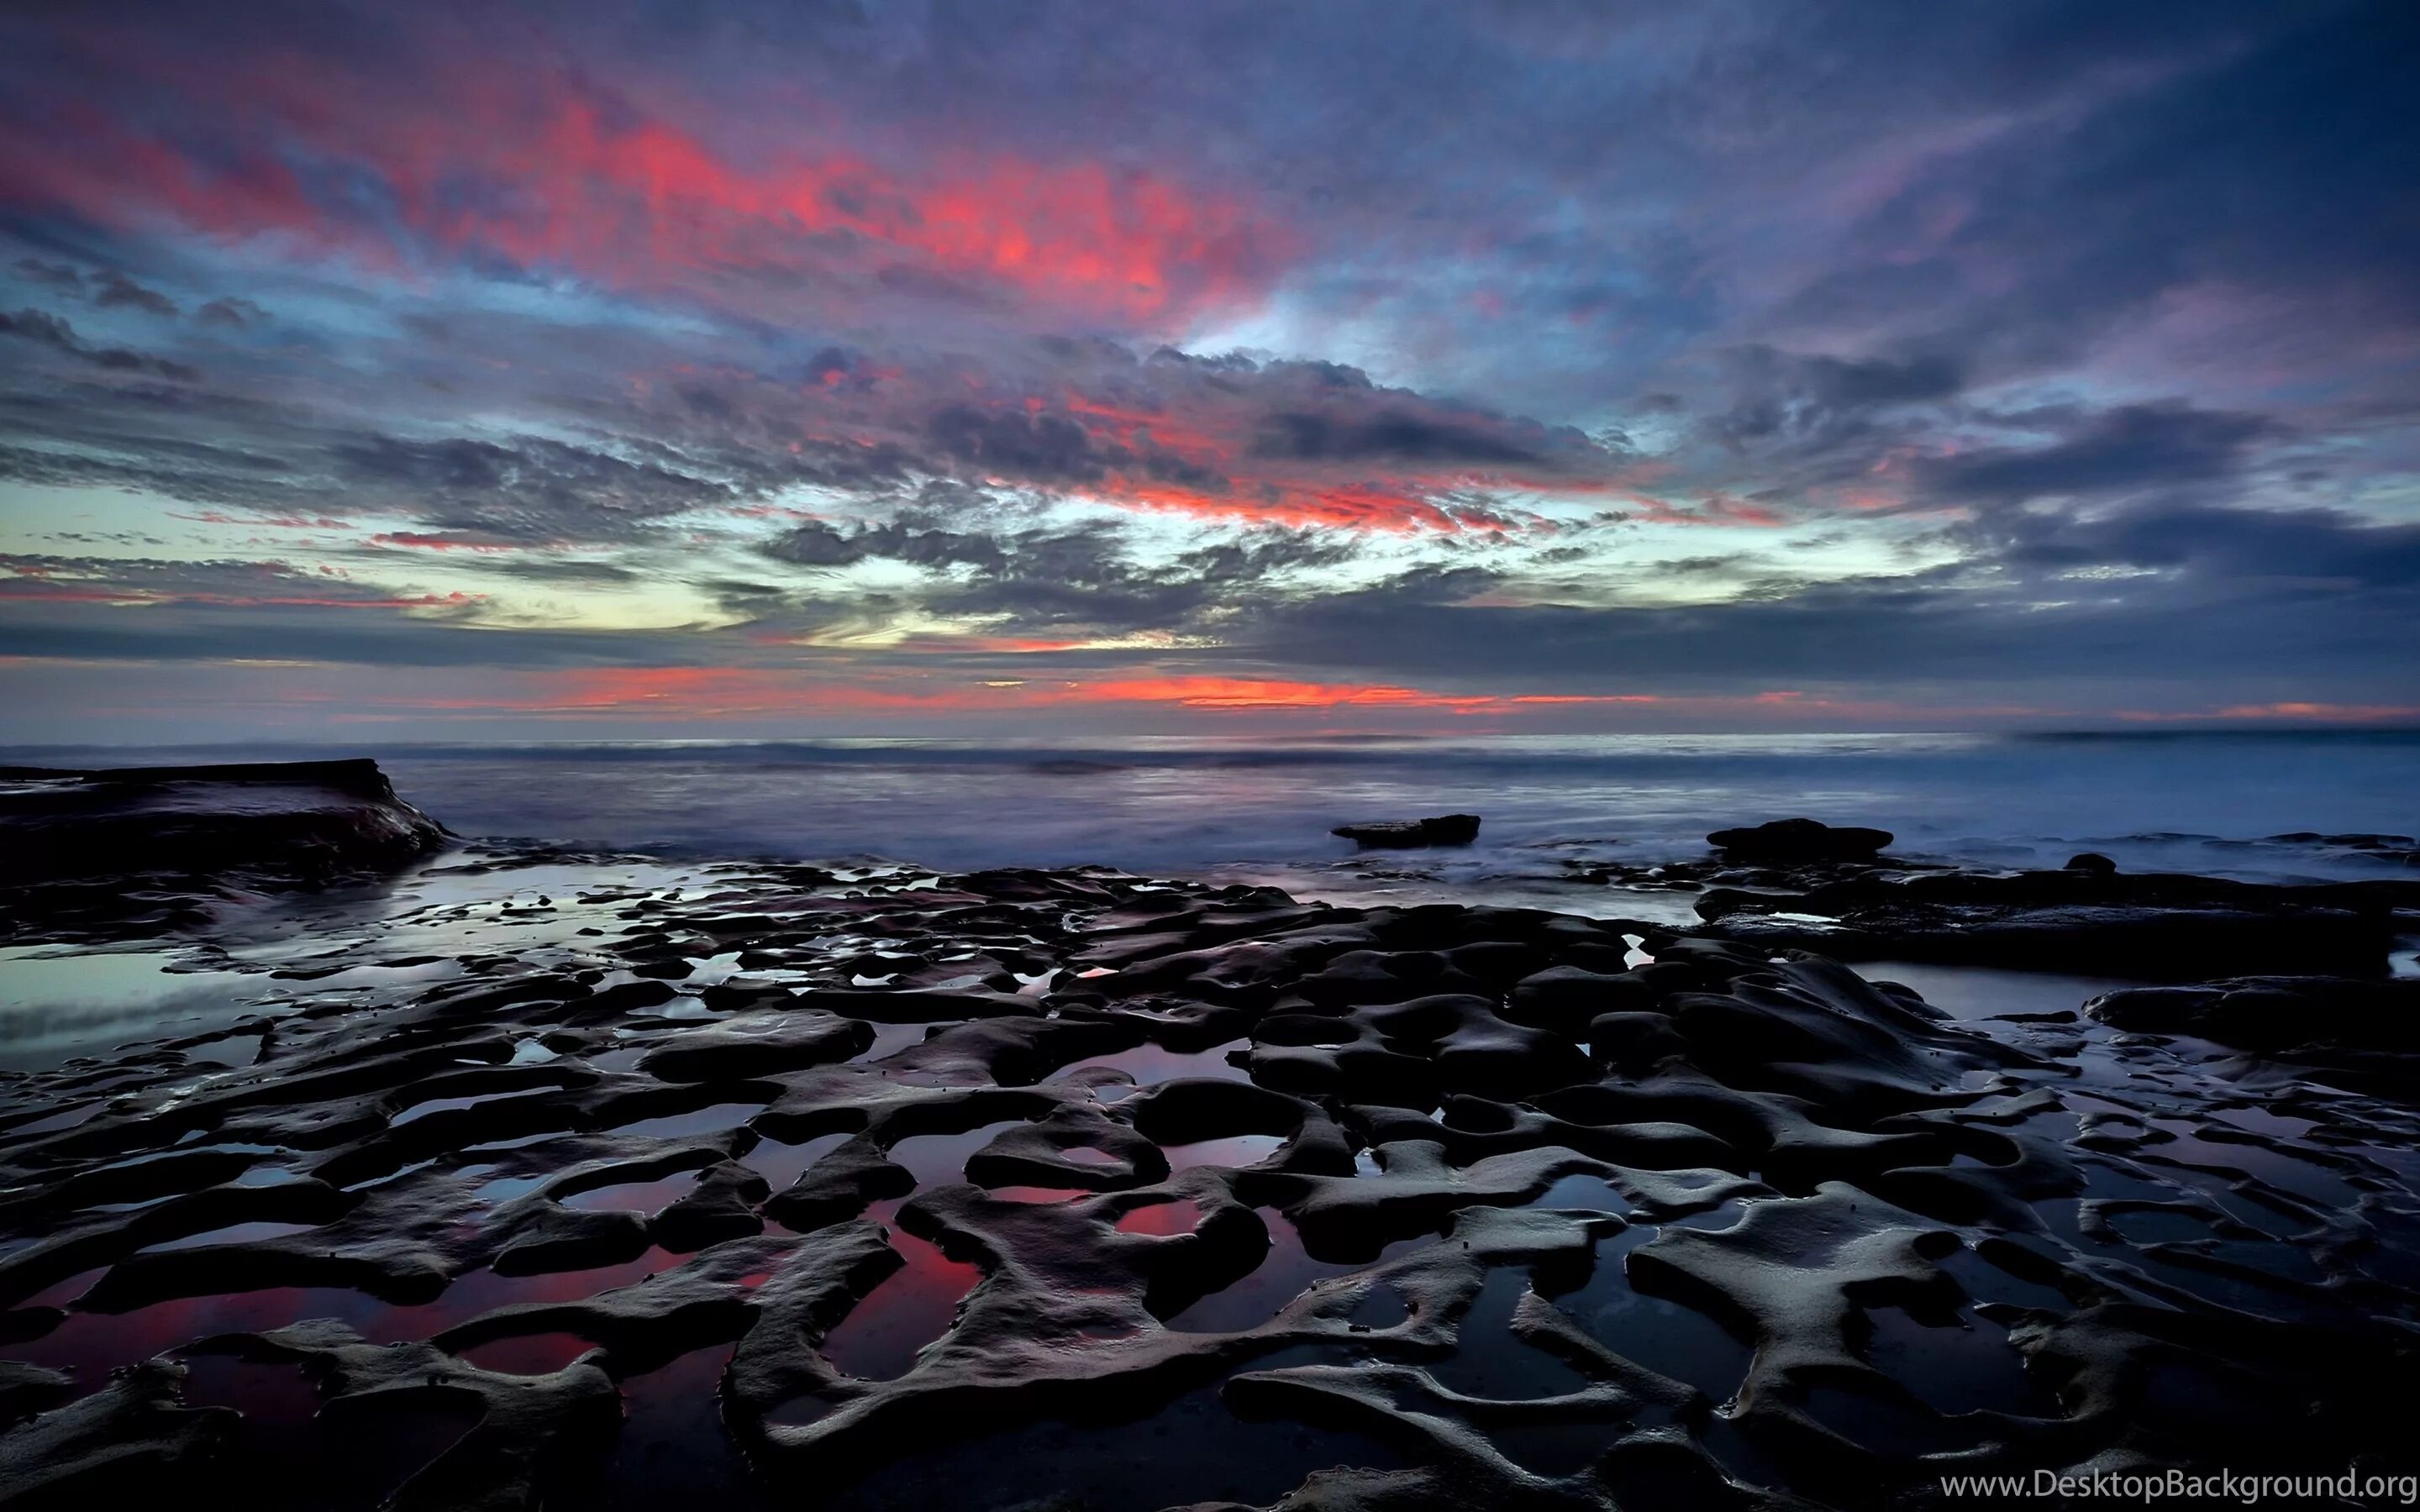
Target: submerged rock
1784	840
1409	834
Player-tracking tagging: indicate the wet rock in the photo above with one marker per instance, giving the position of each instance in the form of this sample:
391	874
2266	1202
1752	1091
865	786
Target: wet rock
2362	1031
533	1435
722	1207
1509	1215
1410	834
1784	840
2149	926
27	1389
131	1442
2093	862
272	820
736	1051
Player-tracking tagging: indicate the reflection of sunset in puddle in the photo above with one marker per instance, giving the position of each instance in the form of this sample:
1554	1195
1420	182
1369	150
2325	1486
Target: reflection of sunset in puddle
1038	1194
633	1196
1162	1218
1149	1064
528	1354
90	1345
912	1308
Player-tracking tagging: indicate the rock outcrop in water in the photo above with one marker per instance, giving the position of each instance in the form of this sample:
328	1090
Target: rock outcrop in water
1784	841
2357	1031
1410	834
2160	926
75	842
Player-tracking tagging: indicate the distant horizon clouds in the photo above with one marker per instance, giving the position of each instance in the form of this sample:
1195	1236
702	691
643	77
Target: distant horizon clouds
550	371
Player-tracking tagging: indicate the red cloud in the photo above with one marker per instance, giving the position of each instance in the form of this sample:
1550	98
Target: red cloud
562	173
698	693
2307	712
423	541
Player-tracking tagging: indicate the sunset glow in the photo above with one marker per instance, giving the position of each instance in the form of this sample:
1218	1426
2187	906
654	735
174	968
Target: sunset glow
1036	370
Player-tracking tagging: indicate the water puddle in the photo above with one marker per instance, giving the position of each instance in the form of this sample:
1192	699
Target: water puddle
1955	1367
1283	1275
1233	1150
1665	1336
1193	1449
915	1305
528	1354
1147	1065
718	1118
1490	1361
1162	1218
937	1158
62	1002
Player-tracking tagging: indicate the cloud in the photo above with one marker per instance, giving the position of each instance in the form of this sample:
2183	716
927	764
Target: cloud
43	328
114	290
1890	354
528	488
50	275
2133	447
231	312
1393	436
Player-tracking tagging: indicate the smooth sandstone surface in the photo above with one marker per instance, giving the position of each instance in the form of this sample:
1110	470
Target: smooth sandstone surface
1021	1187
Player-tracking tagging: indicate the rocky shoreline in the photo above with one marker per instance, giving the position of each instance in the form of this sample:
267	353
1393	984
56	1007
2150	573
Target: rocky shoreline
1073	1188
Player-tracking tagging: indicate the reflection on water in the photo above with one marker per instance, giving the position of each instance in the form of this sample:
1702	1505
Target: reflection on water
56	1003
879	1339
1281	1277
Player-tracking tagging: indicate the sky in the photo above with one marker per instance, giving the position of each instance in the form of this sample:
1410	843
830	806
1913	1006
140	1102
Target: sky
388	373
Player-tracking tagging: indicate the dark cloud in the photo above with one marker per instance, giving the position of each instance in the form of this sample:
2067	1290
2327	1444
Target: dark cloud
2129	447
114	290
1034	448
822	546
232	311
1794	394
49	274
2249	548
1388	435
43	328
528	488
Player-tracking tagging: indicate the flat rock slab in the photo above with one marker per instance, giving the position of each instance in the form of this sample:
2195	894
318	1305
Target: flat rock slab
1411	834
302	819
1799	840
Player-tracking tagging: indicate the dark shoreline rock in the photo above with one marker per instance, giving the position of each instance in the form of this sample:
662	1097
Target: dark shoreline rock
1411	834
1786	840
141	846
2151	926
305	819
2362	1032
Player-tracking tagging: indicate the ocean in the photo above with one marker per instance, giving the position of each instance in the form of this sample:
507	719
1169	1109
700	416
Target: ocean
1259	810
